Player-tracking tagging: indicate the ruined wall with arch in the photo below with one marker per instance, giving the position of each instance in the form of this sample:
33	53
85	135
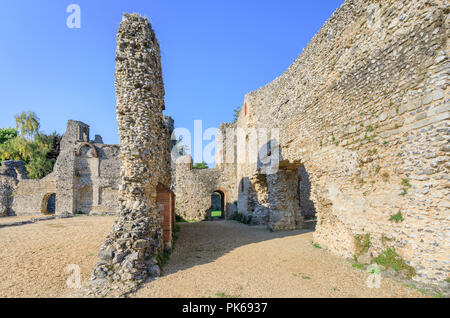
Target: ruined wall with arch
30	196
194	188
363	121
85	178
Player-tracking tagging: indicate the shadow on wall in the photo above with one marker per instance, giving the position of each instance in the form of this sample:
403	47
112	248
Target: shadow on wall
307	208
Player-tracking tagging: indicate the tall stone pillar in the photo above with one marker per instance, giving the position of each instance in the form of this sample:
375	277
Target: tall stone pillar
129	254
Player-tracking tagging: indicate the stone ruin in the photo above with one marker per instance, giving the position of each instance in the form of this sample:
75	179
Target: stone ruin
130	252
84	179
362	135
362	117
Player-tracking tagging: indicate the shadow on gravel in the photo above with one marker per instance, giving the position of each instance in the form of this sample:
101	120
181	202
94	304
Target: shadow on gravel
204	242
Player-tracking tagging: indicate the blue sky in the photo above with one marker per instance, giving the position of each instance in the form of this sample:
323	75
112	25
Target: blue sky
213	53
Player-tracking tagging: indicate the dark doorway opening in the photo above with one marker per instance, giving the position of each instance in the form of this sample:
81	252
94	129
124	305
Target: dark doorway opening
49	204
217	205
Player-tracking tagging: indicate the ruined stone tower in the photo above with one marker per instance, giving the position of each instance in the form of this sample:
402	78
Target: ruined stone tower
129	254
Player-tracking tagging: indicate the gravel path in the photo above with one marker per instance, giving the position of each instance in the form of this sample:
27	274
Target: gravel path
211	259
229	259
34	257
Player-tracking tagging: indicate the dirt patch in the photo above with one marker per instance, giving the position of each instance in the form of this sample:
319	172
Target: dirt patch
34	257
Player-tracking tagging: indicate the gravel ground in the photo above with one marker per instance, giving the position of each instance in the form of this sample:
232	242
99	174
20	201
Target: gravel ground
229	259
211	259
34	257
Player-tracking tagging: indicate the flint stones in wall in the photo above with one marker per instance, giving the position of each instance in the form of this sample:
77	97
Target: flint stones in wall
128	254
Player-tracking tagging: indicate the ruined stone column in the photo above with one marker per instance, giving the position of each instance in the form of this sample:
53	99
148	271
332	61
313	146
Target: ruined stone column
128	255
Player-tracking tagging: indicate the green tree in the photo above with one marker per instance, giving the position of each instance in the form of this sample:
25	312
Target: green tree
7	134
202	165
28	124
39	151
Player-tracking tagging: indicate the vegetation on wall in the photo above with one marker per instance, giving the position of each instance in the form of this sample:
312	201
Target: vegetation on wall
237	111
390	259
38	150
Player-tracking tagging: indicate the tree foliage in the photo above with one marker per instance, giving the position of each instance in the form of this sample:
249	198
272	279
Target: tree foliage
202	165
28	124
37	150
7	134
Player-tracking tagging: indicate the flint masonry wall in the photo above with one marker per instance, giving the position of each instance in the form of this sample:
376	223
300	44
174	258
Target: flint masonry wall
364	111
85	178
194	187
129	252
11	172
29	195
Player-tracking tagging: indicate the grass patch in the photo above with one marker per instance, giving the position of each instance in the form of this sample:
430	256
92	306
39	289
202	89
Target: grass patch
390	259
306	277
316	245
359	266
398	217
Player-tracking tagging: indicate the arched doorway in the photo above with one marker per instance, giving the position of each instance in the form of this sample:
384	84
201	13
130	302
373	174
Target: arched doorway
48	203
219	204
